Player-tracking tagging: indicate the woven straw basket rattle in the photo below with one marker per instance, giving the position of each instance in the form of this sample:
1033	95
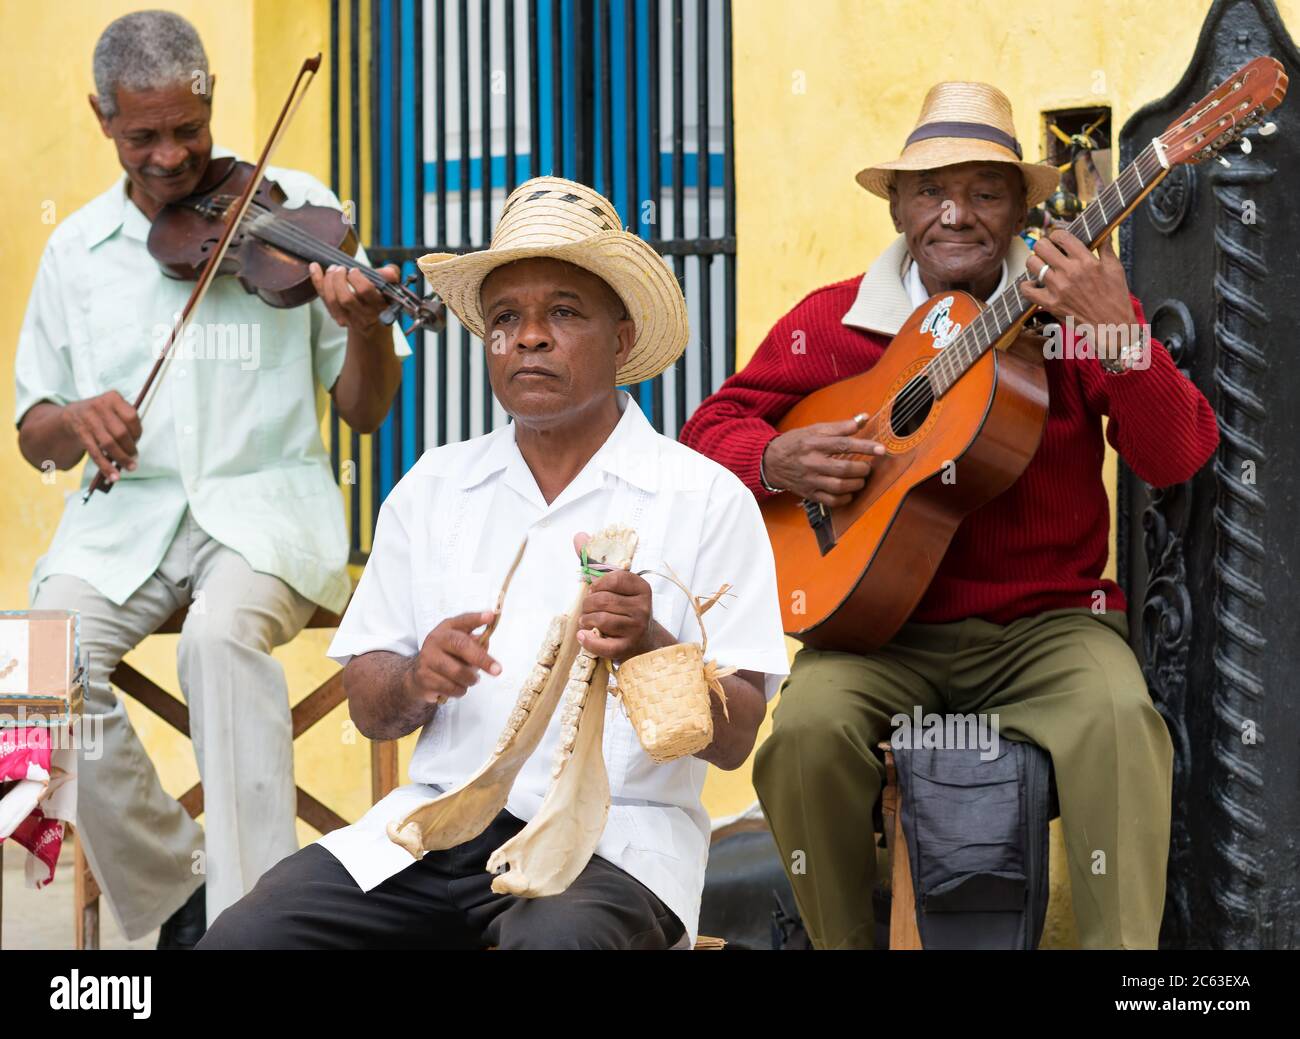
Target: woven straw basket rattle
666	691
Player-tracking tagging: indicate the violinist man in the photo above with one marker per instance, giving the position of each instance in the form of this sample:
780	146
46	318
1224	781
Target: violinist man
222	495
1018	622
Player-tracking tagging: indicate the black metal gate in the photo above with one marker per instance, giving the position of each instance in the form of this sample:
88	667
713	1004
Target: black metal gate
439	108
1209	566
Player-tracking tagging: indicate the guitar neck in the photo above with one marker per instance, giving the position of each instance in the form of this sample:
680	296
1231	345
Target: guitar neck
1009	309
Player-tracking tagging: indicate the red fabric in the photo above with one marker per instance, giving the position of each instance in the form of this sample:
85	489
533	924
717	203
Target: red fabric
19	749
1043	544
43	838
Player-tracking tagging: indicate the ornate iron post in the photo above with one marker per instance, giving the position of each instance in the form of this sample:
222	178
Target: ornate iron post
1214	604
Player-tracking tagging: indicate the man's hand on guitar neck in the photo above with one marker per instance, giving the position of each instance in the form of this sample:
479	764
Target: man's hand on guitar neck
1090	289
809	461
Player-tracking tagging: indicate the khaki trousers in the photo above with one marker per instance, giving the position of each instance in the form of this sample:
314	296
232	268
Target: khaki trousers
147	853
1065	680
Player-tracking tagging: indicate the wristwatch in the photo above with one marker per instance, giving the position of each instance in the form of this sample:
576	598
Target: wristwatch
1128	353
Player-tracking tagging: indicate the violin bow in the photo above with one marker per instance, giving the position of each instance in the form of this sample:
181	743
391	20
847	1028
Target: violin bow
234	216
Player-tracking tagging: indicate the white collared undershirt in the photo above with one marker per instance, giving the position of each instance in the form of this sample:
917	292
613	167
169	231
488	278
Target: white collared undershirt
917	293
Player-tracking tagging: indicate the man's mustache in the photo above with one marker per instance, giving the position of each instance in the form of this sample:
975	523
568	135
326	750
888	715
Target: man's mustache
158	171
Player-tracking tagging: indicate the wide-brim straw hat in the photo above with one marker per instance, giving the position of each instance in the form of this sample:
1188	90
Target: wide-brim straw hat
963	122
560	219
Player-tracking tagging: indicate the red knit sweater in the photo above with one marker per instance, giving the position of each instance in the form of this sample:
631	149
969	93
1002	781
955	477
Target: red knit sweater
1042	544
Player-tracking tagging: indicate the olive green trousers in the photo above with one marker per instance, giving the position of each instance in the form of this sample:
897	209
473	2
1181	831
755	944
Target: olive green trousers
1064	679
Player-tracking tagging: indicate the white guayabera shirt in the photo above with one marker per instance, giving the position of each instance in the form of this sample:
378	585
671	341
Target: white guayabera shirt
445	539
233	433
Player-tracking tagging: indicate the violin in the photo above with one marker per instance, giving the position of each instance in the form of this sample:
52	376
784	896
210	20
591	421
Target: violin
271	250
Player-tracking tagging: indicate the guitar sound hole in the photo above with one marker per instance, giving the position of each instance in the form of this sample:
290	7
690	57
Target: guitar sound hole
910	407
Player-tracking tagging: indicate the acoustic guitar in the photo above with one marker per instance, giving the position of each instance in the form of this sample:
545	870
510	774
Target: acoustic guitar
959	389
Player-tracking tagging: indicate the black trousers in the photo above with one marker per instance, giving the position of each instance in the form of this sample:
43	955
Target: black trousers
444	901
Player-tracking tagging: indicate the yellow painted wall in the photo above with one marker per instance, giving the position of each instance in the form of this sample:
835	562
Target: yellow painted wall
826	87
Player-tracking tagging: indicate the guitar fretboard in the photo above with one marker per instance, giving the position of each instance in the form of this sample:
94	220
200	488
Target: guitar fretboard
1009	306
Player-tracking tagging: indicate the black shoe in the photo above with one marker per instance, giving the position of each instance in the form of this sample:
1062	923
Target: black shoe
184	928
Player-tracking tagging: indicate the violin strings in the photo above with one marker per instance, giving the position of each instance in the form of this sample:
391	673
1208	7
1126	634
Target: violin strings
289	234
299	237
289	231
292	236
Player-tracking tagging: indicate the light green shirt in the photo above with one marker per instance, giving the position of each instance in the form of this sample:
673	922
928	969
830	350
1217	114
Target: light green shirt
233	433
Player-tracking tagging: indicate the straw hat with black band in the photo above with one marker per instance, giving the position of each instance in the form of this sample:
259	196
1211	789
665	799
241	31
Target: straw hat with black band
560	219
963	122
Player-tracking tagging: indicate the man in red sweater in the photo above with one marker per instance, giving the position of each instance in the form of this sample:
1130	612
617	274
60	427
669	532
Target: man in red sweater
1018	622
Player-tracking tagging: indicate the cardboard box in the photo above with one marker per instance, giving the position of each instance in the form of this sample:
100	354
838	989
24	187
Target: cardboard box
41	671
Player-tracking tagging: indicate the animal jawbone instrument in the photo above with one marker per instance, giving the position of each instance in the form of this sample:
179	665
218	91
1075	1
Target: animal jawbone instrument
555	846
547	855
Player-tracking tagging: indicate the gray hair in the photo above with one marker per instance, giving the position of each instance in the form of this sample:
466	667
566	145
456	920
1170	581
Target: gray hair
146	50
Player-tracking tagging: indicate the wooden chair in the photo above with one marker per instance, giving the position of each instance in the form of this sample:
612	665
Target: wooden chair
306	713
903	932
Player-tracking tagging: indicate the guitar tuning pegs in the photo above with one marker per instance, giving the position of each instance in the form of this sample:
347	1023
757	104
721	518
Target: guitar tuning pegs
1245	146
1268	129
1224	162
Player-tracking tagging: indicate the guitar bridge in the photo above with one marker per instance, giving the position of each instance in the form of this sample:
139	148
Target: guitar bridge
819	518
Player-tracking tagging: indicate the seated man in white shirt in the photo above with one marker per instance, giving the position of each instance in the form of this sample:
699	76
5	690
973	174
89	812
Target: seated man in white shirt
570	307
